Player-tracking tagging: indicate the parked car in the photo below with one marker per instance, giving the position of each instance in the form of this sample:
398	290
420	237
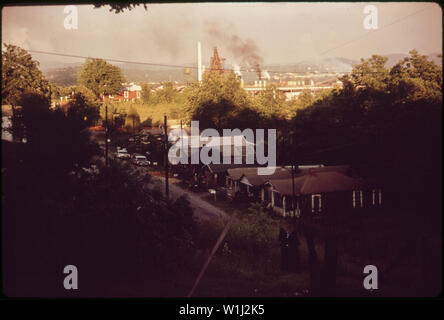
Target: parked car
139	160
120	149
122	154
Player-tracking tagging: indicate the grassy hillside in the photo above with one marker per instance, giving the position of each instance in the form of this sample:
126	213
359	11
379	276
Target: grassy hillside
156	112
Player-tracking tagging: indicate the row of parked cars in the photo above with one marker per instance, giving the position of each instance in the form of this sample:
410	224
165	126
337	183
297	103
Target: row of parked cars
135	158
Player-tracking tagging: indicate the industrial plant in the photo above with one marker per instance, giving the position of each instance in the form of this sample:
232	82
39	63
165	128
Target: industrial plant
289	84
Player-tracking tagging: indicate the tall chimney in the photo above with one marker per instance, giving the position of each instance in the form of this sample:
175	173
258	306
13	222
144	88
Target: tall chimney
199	62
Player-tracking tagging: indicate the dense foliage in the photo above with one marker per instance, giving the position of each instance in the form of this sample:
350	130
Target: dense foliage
101	77
63	206
118	7
386	118
20	73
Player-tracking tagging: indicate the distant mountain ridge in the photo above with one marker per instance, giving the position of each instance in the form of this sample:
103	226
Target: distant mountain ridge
65	73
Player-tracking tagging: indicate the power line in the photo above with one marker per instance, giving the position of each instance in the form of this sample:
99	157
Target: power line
111	59
307	73
374	31
167	65
240	69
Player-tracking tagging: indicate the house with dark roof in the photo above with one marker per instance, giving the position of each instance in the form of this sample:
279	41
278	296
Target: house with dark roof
215	175
315	189
322	191
247	181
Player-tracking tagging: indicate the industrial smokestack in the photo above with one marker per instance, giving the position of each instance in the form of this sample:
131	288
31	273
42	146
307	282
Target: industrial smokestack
199	62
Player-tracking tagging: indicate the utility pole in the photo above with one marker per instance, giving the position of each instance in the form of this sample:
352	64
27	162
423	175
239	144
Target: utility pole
293	168
292	189
181	140
106	132
166	157
181	134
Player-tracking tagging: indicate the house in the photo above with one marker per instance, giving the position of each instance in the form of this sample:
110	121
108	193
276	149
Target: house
215	175
322	191
345	169
230	150
247	181
7	123
129	92
253	184
316	189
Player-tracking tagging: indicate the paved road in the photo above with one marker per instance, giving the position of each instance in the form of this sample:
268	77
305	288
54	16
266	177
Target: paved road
203	210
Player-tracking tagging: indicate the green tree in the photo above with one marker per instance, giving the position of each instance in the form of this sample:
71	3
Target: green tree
86	93
66	91
132	119
146	93
415	78
20	73
214	88
121	7
55	93
53	135
387	123
305	99
85	111
101	77
269	100
218	102
167	94
144	235
371	73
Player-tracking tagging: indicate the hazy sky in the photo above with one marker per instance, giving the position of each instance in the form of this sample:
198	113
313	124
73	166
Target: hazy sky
277	32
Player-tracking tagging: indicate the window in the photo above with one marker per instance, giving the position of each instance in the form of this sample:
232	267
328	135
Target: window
293	207
376	196
357	199
316	203
138	94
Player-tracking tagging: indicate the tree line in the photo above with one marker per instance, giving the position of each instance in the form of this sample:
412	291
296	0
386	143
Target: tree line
62	205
